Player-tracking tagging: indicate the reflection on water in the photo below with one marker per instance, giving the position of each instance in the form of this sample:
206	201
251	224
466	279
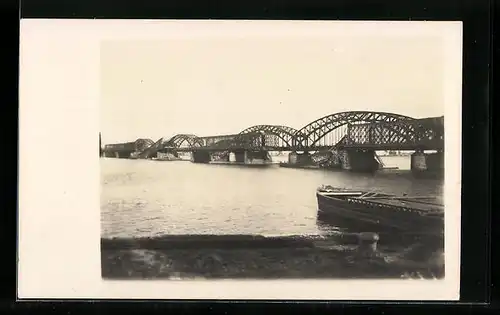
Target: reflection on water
151	198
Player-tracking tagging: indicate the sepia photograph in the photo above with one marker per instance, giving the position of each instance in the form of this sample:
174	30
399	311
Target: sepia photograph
260	157
240	160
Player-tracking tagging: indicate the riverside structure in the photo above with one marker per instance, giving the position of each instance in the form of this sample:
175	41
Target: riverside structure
346	140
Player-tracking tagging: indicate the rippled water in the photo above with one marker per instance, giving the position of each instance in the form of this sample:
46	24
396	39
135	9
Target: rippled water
152	198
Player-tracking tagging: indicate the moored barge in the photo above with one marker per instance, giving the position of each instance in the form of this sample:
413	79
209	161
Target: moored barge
361	211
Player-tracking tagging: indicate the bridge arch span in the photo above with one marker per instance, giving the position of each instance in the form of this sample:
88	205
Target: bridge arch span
318	129
142	144
178	140
286	134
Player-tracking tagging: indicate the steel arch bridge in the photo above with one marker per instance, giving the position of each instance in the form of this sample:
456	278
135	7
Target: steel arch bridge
356	129
271	137
142	144
274	137
327	131
175	142
179	140
416	134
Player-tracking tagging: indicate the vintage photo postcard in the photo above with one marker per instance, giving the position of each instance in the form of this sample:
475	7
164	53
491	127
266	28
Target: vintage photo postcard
291	159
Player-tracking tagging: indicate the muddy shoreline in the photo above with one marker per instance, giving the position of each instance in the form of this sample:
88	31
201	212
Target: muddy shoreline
258	257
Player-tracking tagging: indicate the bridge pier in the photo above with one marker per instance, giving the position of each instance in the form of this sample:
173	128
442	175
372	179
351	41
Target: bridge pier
240	156
359	160
200	157
300	158
427	162
259	156
247	156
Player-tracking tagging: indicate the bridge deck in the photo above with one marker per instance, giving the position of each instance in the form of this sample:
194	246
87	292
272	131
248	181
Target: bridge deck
346	130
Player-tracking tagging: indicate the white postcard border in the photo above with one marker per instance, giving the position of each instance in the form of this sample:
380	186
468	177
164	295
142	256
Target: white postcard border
59	215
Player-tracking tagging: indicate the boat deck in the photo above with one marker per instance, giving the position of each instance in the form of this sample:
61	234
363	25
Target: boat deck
417	203
423	205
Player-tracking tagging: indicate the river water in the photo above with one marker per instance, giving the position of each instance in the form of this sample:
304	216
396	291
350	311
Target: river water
152	198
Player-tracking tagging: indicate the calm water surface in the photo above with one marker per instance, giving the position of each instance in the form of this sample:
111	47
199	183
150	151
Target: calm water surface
151	198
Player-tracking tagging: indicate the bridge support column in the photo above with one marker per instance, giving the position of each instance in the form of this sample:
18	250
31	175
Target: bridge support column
427	162
359	160
240	156
300	158
200	156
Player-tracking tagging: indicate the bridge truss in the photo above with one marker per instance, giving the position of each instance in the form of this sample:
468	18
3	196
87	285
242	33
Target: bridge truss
423	134
354	129
330	130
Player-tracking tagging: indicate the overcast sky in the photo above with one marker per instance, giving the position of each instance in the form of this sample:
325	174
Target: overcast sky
208	87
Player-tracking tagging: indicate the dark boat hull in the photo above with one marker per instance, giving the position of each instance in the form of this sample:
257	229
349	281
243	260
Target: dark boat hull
363	218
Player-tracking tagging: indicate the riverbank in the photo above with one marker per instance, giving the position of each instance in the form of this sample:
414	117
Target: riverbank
256	257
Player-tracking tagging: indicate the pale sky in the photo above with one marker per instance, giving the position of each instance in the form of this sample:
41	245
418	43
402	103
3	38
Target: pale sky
153	89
